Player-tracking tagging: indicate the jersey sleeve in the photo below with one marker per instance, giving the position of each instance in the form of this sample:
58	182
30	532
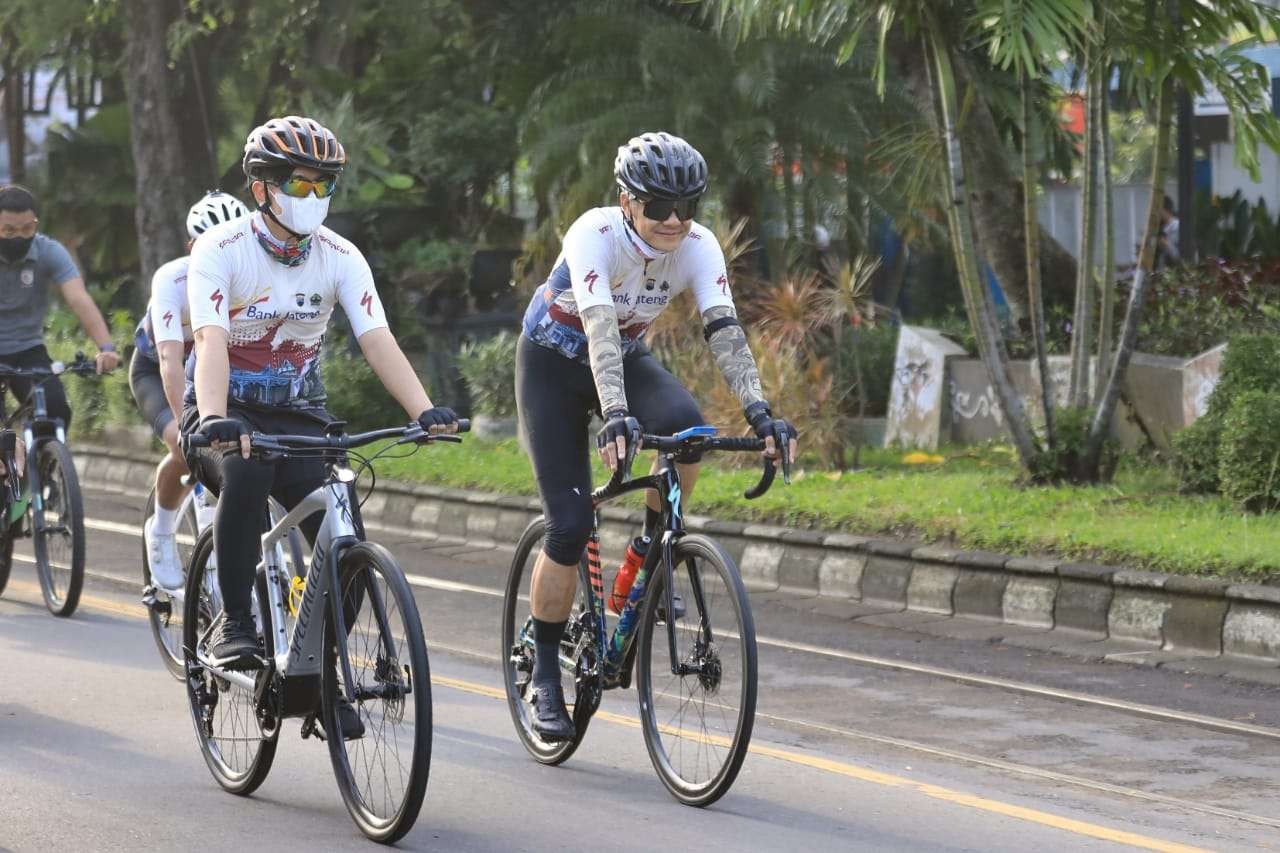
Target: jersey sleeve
588	252
209	285
59	267
168	296
707	276
358	296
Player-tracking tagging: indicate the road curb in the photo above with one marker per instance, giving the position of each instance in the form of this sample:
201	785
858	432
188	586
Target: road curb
1179	619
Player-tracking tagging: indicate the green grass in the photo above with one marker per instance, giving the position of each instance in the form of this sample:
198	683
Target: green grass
971	500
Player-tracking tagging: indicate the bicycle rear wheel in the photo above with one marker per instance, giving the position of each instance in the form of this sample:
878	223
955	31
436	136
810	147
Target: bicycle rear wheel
581	698
383	774
165	612
697	725
58	531
238	752
6	558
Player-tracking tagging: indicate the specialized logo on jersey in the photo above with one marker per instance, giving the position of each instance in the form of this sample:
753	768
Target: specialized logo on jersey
723	281
168	319
367	302
604	229
591	278
216	299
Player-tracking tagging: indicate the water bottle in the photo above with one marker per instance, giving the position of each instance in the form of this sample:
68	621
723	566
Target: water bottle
205	507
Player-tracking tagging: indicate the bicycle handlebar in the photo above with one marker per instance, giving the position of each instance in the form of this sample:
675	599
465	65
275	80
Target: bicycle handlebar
79	365
676	443
264	443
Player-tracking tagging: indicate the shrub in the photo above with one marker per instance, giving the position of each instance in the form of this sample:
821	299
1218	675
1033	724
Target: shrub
489	368
1196	456
355	393
95	401
1190	309
1249	459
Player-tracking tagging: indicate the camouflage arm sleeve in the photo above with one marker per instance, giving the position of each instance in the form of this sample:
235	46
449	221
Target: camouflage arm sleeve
604	344
729	346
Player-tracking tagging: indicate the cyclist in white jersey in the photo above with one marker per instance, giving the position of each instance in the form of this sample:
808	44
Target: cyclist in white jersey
162	342
582	350
262	289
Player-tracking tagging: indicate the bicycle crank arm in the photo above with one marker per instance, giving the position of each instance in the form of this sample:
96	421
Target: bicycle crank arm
239	679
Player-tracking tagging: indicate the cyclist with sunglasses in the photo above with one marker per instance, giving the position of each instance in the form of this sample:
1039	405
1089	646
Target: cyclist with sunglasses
582	350
162	342
262	289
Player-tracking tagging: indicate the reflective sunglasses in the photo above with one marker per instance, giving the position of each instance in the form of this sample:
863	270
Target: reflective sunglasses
659	209
10	231
301	187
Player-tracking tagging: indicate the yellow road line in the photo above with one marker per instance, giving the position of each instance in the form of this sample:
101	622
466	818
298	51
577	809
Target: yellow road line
827	765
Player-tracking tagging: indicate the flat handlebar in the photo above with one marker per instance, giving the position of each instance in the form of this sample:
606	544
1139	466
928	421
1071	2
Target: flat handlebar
264	443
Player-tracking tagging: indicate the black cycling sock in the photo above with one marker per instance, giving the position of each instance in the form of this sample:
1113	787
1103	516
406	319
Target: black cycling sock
652	518
546	647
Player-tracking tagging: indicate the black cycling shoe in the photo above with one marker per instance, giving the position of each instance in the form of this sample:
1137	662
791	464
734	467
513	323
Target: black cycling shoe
235	645
550	717
349	721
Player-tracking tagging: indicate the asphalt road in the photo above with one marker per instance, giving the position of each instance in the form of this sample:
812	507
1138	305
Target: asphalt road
97	750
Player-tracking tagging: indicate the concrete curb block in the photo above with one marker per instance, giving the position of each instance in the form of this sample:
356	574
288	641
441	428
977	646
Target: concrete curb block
1178	618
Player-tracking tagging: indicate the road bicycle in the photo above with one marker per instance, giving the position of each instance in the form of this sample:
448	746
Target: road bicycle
164	607
695	672
356	638
48	506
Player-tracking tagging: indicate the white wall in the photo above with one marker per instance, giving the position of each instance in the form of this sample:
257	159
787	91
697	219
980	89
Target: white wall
1060	216
1227	177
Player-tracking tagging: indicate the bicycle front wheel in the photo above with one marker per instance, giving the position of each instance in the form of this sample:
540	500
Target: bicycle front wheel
236	749
697	706
382	773
59	529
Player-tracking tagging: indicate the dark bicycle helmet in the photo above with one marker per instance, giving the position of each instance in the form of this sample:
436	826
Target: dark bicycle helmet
285	143
659	165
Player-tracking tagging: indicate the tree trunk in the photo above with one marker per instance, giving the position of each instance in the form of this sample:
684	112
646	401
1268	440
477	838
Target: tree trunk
1107	292
15	116
164	185
1082	320
978	299
1091	457
788	192
1035	296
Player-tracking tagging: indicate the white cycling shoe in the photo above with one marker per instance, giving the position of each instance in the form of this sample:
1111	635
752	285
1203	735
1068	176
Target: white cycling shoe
162	555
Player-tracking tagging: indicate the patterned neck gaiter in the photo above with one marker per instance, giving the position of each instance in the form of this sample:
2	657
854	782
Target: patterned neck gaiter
290	256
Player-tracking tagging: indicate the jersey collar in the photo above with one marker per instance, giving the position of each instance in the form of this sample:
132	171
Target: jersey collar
281	252
638	243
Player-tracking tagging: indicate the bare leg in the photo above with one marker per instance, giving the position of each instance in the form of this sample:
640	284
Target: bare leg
552	589
169	488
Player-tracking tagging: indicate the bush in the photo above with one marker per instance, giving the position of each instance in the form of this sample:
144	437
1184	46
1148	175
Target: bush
1196	456
1190	309
1251	364
1249	460
96	401
489	368
355	393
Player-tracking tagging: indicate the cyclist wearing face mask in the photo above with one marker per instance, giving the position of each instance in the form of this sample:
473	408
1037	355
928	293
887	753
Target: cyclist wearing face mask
162	342
262	289
31	264
582	350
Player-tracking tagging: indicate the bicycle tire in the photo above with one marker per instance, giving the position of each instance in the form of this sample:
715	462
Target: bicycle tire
378	664
692	556
201	605
517	660
6	558
60	488
168	635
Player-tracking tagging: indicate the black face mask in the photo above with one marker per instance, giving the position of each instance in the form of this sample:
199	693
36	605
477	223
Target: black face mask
15	248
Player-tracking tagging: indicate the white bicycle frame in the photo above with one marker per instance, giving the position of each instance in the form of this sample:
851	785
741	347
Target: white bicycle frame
300	653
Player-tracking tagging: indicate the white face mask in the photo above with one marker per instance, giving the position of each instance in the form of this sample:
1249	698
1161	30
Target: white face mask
301	215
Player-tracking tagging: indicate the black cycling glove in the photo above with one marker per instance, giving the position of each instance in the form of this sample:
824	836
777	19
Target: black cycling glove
765	424
619	424
218	428
439	417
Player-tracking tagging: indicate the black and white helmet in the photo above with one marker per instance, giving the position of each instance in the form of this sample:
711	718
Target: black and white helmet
659	165
214	209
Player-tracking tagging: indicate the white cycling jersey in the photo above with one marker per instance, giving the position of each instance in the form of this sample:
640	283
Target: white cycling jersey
604	262
276	315
168	317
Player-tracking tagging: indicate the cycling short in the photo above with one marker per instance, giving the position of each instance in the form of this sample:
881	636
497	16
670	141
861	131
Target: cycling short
148	392
556	397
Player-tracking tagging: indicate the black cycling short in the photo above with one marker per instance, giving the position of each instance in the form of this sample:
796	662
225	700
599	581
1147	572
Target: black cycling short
148	393
242	486
55	396
556	398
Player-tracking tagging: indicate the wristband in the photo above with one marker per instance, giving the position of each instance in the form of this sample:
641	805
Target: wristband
107	347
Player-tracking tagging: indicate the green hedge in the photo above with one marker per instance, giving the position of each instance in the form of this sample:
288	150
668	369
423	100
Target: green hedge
1249	457
489	368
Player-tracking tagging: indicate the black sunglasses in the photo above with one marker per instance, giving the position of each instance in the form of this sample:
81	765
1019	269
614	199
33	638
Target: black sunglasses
659	209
